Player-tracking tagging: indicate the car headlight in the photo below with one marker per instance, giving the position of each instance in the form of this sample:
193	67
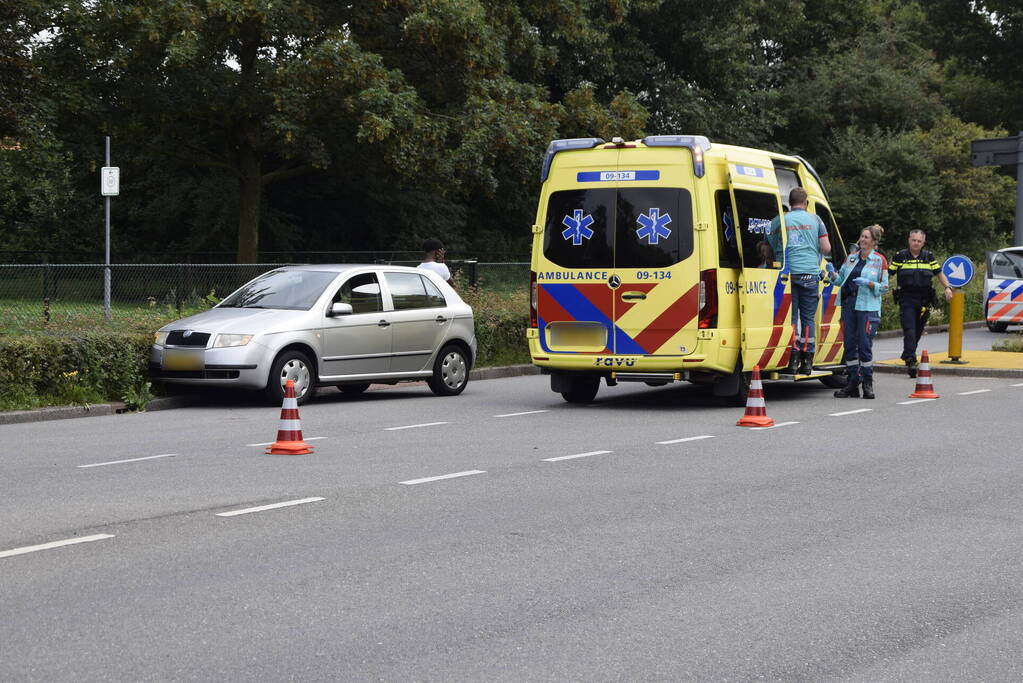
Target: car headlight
225	340
160	338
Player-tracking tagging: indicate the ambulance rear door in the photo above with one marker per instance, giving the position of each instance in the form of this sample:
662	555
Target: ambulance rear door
574	301
656	275
765	299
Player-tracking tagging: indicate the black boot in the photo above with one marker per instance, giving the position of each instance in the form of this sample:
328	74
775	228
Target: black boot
868	387
793	362
804	364
850	390
911	367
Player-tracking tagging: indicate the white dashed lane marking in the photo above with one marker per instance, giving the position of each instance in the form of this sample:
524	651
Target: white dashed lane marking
528	412
688	438
54	544
577	455
425	424
975	391
916	400
118	462
775	426
424	480
272	506
851	412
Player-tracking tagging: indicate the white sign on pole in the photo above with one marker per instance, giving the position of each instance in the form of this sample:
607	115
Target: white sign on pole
110	181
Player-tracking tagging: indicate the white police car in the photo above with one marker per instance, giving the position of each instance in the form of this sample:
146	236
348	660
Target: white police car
1003	289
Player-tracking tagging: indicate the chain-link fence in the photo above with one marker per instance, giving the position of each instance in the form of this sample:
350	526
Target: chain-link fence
65	298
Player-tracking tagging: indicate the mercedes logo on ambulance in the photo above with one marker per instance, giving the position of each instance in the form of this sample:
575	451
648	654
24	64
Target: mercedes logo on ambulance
187	333
614	282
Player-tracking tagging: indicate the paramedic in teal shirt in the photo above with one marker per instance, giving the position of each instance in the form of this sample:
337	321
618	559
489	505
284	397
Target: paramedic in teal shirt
807	243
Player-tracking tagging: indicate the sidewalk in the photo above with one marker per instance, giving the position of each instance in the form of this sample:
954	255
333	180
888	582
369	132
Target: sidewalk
980	360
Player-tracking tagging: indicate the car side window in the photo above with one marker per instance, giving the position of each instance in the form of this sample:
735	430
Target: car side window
362	292
407	291
434	299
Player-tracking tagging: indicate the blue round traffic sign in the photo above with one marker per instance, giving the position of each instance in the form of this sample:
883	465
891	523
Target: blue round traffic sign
958	269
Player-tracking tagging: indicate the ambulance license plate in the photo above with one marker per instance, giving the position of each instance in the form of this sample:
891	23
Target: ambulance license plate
174	359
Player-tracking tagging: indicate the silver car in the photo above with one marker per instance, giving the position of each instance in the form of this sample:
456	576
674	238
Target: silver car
346	325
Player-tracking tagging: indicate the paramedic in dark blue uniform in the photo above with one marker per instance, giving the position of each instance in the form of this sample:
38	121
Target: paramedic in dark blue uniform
913	270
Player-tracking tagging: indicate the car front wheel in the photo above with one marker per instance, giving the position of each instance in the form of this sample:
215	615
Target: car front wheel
293	365
450	372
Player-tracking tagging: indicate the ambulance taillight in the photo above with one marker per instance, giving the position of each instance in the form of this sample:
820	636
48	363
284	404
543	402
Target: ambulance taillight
532	298
708	299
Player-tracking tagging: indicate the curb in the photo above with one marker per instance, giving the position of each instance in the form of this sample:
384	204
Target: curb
958	371
189	400
930	329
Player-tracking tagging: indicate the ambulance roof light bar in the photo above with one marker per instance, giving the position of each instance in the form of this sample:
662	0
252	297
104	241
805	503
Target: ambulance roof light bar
562	146
697	144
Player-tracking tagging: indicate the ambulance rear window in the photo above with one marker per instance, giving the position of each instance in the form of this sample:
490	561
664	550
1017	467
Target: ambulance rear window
634	227
654	227
577	234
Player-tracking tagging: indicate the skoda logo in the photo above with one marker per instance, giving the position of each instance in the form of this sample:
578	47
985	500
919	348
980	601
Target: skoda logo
187	333
614	282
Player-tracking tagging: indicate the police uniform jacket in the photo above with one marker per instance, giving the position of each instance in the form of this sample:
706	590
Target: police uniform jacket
915	275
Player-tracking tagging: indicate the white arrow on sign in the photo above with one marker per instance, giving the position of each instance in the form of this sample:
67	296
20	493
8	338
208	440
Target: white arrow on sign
958	271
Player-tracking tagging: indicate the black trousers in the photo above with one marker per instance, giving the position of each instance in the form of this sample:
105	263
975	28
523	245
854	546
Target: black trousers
914	310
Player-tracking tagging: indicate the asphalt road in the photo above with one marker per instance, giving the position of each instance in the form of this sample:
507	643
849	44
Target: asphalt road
878	545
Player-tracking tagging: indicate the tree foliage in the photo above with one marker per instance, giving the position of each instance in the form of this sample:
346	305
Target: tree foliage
252	126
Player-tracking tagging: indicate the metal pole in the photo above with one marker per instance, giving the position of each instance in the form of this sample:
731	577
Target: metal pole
1019	189
106	270
955	328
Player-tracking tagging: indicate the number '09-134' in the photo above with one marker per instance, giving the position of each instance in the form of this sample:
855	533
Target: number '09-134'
653	275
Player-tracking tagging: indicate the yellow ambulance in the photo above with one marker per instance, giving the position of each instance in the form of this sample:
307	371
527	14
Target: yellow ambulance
651	263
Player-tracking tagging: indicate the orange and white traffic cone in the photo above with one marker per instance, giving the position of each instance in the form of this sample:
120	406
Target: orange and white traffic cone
924	388
289	434
756	408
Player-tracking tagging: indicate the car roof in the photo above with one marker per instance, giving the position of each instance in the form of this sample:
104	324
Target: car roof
1020	248
344	267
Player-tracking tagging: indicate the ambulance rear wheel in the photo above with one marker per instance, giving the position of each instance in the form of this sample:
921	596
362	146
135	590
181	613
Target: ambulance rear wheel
583	390
835	381
997	327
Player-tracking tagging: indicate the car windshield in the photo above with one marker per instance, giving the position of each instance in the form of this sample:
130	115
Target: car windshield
1007	264
289	289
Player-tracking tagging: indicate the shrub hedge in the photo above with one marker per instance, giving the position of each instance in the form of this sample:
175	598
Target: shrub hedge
41	370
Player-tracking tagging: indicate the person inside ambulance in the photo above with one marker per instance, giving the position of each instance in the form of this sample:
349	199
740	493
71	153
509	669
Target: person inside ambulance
807	243
766	254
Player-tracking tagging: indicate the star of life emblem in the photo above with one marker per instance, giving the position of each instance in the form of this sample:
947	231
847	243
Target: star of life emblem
577	227
653	226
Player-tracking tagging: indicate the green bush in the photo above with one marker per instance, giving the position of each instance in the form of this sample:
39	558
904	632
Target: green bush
70	369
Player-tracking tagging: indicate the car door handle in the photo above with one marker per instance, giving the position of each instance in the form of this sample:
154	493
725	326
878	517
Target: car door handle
628	296
384	323
441	319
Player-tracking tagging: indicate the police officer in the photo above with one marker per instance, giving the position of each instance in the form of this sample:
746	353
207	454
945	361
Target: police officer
913	270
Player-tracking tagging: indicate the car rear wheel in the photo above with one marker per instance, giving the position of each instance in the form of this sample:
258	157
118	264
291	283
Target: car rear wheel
583	390
450	372
997	327
353	389
293	365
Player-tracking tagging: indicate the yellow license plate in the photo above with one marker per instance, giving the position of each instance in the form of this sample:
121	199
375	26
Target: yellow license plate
182	360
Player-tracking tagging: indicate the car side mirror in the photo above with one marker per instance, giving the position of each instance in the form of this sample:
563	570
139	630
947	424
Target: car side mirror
339	309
